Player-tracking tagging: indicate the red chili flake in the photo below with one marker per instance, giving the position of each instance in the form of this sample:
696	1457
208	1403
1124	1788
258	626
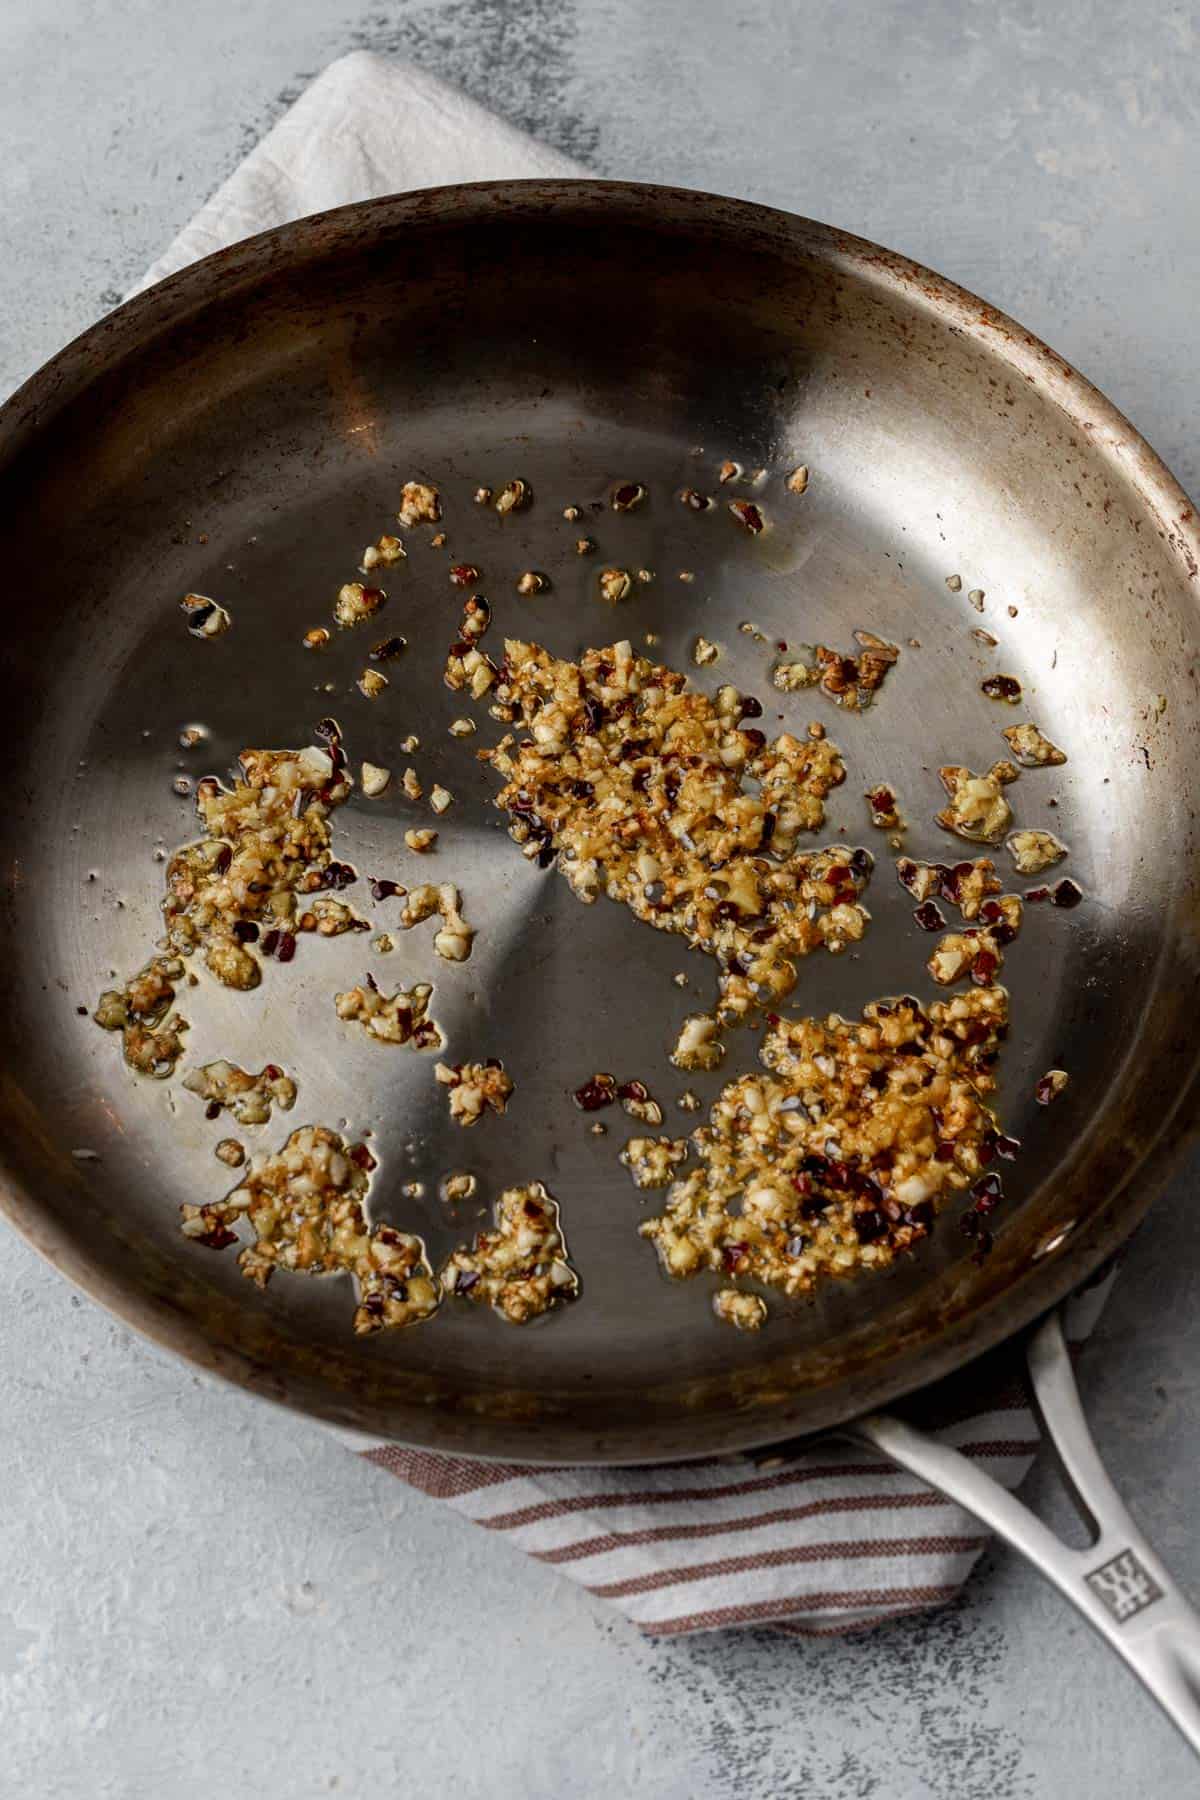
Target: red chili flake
944	1153
987	1188
270	943
990	911
1066	893
882	800
696	501
1001	687
733	1254
390	647
751	708
633	1090
287	947
920	1215
213	1110
747	514
338	875
361	1157
467	1279
862	862
464	575
600	1091
755	738
838	875
983	968
628	495
217	1237
864	1183
384	889
1044	1092
929	918
869	1225
1007	1147
781	644
245	931
906	873
1037	894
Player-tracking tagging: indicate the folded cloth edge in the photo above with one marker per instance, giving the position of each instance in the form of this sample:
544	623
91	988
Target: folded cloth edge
367	126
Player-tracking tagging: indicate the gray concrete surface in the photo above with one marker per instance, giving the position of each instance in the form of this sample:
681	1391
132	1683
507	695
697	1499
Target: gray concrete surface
199	1597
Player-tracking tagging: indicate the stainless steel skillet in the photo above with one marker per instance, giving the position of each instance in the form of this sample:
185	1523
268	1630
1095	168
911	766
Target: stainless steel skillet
243	431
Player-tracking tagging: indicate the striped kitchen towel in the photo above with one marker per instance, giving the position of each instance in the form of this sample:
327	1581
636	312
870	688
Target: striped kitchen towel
833	1540
826	1538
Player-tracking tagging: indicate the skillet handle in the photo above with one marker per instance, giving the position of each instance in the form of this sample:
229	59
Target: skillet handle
1119	1584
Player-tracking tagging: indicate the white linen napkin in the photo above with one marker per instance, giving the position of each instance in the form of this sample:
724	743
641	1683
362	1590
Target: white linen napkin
828	1540
367	126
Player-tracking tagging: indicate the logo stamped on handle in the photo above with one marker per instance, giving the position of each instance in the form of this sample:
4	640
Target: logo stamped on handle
1125	1585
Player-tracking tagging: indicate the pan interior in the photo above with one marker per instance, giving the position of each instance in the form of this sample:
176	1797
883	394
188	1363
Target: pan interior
244	436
